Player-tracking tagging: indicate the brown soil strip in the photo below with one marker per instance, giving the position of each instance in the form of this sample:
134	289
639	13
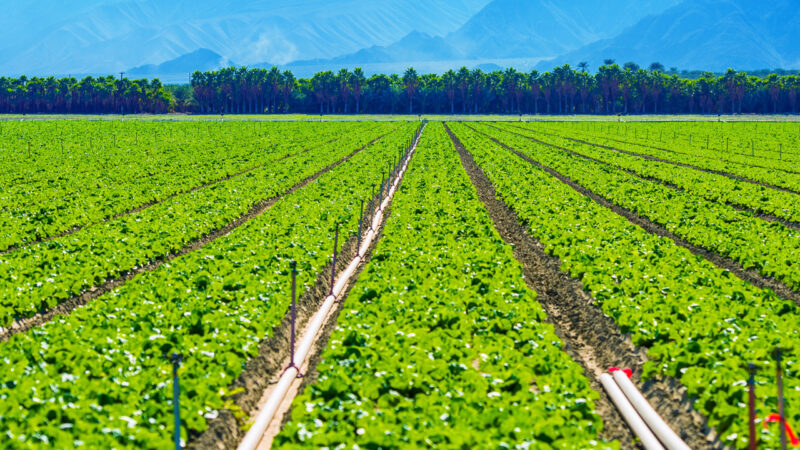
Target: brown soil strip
591	337
761	215
751	276
264	371
90	294
675	163
156	202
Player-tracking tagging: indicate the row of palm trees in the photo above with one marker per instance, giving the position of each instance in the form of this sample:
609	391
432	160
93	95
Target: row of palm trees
613	89
90	95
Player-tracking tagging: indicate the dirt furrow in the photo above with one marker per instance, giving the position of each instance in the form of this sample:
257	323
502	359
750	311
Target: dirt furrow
263	371
156	202
591	337
761	215
674	163
90	294
752	276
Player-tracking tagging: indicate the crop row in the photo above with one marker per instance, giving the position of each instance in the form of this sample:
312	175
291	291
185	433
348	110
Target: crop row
41	210
98	377
771	145
777	173
771	248
700	324
42	275
713	187
114	175
80	146
440	343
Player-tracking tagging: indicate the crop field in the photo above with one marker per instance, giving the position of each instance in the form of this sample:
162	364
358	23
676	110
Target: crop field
515	263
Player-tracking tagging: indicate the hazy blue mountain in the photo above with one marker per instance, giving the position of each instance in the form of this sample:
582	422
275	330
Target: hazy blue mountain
181	67
104	36
544	28
415	46
505	32
705	35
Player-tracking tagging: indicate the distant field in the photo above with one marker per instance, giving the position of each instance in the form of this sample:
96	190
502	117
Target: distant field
517	262
405	117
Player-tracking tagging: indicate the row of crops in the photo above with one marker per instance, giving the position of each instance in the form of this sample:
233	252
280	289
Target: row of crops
473	362
440	342
699	323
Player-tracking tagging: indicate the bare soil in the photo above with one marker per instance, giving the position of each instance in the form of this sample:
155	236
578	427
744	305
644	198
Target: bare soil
752	276
675	163
66	307
591	337
144	206
225	432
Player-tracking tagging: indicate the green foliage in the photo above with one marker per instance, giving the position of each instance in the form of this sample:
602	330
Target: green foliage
440	342
98	377
41	276
700	324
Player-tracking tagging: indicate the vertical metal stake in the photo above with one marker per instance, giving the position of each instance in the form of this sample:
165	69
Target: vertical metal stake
293	265
176	409
752	407
333	268
381	196
371	205
360	222
781	412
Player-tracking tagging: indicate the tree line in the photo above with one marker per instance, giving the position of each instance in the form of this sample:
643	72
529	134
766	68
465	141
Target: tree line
612	89
90	95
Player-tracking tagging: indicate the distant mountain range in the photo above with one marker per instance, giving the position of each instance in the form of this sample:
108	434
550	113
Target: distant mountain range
176	70
705	34
520	32
48	37
170	39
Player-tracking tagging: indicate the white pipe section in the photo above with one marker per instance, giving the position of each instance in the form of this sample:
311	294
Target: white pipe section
648	439
265	416
665	434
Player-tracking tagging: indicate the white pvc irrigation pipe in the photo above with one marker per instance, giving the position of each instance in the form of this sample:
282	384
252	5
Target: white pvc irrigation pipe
265	416
648	439
665	434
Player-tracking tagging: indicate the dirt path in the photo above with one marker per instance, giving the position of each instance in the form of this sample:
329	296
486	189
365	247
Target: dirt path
592	338
260	208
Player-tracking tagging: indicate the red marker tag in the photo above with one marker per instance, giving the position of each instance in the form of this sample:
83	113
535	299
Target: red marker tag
628	372
772	418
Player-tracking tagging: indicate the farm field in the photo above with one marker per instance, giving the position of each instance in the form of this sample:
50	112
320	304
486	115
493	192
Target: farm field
516	262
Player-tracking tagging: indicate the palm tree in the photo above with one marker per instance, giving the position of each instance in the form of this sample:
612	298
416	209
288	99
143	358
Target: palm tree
462	79
478	81
288	86
411	82
357	80
535	85
344	86
449	82
584	66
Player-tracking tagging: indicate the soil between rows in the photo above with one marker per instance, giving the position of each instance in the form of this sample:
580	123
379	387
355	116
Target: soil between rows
675	163
225	432
591	337
66	307
752	276
144	206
